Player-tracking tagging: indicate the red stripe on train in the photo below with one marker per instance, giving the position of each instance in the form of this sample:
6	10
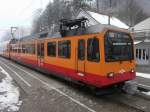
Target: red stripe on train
88	78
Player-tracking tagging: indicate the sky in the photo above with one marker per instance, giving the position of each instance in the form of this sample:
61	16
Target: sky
18	12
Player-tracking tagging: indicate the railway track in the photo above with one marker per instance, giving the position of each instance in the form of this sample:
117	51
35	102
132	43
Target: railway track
136	102
128	103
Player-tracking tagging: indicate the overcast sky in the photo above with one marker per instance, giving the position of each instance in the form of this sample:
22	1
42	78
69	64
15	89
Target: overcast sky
18	12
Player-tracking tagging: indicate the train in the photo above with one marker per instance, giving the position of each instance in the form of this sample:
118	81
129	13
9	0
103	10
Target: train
98	56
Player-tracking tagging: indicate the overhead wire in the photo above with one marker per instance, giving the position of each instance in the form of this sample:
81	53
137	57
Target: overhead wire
22	12
25	8
30	4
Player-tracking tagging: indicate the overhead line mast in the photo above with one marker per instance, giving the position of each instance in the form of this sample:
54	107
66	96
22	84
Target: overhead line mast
13	29
109	16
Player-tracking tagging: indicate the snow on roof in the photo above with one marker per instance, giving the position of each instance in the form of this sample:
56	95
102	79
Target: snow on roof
147	40
95	18
137	42
140	41
103	19
144	25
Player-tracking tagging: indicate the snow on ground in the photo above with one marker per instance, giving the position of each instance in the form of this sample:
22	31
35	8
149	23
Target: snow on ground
147	93
9	94
144	75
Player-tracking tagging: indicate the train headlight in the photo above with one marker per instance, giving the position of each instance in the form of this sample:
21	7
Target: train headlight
132	70
110	75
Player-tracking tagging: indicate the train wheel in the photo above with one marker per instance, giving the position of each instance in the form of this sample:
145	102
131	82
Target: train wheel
120	85
103	91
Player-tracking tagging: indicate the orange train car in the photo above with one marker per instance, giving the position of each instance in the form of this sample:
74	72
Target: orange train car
102	58
4	49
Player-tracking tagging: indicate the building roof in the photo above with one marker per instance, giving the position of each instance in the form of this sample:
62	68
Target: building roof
144	42
96	18
143	26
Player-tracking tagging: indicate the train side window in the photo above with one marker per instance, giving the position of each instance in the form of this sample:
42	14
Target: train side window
30	48
93	53
51	49
38	50
42	49
81	49
64	49
23	49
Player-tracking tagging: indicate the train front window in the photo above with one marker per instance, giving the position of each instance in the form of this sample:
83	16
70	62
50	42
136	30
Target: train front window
118	46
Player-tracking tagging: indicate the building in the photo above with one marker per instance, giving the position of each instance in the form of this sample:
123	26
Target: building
142	49
142	42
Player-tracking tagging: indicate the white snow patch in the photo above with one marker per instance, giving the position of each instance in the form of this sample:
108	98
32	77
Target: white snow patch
103	19
144	75
137	42
9	94
147	40
147	93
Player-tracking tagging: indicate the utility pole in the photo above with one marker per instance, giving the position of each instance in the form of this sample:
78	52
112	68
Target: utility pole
109	16
13	29
97	3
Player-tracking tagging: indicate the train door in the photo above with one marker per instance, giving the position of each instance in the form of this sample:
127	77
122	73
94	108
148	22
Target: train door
81	57
40	53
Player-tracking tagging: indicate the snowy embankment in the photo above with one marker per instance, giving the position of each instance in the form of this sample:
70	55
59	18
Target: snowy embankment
147	93
144	75
9	94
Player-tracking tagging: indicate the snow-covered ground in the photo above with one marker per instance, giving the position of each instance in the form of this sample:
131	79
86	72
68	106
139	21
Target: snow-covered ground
144	75
147	93
9	94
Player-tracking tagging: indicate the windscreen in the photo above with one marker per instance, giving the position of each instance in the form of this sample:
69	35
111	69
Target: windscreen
118	46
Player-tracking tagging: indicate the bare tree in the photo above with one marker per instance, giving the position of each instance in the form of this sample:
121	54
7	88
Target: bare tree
56	10
36	24
128	11
131	12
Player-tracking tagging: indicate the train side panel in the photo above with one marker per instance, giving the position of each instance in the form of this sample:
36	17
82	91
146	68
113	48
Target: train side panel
84	59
